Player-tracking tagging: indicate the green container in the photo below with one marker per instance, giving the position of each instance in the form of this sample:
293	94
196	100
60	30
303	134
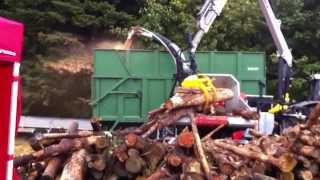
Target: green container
128	84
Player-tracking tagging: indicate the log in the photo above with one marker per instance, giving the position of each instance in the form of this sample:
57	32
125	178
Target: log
96	174
191	169
285	163
54	164
174	160
135	164
154	154
159	174
310	140
286	176
258	176
75	168
98	162
305	175
61	148
196	99
121	153
135	141
199	147
53	167
38	141
58	136
185	139
309	151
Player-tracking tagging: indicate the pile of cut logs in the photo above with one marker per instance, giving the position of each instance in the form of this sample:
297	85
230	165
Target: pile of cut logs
131	154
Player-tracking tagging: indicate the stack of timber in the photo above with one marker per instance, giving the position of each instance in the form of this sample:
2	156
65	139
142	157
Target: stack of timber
131	153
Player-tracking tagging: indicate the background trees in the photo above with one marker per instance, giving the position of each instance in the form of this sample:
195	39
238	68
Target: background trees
58	28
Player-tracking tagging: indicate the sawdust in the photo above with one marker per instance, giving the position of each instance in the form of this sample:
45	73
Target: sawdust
82	59
22	146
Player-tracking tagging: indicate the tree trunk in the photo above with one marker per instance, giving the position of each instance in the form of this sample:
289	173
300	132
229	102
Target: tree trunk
196	99
75	168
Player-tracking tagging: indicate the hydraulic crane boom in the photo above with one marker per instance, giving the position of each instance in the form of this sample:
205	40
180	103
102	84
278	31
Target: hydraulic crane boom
285	55
210	10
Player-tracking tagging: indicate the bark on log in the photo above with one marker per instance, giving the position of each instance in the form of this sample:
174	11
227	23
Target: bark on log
199	148
191	169
53	167
310	140
98	162
121	153
135	164
55	163
174	160
159	174
306	175
309	151
61	148
196	99
258	176
135	141
285	163
59	136
75	168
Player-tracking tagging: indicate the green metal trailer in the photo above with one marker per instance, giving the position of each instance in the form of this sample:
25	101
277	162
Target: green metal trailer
128	84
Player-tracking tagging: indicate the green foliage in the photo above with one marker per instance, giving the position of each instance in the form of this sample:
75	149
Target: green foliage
56	18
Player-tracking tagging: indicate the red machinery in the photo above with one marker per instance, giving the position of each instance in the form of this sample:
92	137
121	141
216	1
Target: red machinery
11	42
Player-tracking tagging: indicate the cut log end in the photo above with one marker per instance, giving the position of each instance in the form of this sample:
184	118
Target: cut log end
131	139
174	160
185	139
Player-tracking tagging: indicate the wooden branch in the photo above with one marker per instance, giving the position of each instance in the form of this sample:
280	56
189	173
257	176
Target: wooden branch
75	168
208	136
67	135
285	163
199	147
